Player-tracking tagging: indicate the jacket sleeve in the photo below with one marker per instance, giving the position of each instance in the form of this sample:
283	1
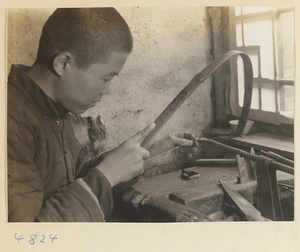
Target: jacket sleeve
85	199
78	201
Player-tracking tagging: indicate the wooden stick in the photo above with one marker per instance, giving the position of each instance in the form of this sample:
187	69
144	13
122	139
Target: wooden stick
212	162
196	82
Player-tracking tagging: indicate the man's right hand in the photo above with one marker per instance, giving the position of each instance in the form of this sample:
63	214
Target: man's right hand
127	160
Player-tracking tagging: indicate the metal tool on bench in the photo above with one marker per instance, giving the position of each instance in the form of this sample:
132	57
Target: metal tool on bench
278	158
274	164
246	210
267	188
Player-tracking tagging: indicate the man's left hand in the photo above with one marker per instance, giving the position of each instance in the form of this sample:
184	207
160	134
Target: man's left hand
172	148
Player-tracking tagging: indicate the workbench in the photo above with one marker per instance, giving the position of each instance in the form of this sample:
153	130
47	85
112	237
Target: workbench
168	198
163	195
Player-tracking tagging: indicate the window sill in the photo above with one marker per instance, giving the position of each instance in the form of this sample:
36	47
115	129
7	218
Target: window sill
281	145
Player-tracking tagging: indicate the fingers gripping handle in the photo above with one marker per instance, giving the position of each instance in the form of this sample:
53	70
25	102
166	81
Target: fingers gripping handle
142	134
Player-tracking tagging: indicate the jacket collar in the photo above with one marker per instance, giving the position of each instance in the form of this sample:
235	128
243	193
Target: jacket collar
32	93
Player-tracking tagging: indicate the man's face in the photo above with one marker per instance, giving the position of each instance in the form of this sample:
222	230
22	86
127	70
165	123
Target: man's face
80	89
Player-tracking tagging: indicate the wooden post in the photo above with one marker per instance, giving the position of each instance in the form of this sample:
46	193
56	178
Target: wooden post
246	173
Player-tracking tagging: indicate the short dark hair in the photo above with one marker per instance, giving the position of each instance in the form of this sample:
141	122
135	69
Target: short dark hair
90	34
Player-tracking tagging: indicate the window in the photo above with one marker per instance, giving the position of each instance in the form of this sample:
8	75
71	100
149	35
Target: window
266	34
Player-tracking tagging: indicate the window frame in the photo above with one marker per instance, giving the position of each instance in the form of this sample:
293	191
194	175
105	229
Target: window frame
236	109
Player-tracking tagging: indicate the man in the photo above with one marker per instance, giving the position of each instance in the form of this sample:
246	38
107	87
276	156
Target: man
80	51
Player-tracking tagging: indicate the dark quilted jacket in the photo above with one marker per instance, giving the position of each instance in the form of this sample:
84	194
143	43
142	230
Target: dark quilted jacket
42	160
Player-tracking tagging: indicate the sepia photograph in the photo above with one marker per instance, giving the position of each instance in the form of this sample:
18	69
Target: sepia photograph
149	115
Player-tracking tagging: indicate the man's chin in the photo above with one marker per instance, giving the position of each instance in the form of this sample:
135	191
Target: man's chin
79	111
82	109
92	105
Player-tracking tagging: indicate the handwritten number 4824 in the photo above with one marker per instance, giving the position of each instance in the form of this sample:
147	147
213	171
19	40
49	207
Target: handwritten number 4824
35	239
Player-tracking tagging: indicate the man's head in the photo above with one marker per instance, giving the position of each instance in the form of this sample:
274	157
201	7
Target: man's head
89	34
83	49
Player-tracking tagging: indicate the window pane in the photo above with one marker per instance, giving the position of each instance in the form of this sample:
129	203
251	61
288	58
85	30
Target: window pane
259	32
268	94
255	96
256	9
287	98
239	38
237	11
253	54
285	32
241	81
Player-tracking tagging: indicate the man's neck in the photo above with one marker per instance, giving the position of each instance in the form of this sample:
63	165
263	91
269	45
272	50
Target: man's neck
43	78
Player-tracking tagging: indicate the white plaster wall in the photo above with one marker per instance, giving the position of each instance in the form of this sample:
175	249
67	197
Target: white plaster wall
171	45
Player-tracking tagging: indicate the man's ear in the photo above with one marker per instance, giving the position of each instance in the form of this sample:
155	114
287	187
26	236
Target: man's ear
61	62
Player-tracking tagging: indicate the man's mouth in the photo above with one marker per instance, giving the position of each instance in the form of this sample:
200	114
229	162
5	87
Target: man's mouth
93	104
99	99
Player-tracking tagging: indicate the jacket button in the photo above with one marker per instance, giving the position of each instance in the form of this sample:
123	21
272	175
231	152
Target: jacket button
65	152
